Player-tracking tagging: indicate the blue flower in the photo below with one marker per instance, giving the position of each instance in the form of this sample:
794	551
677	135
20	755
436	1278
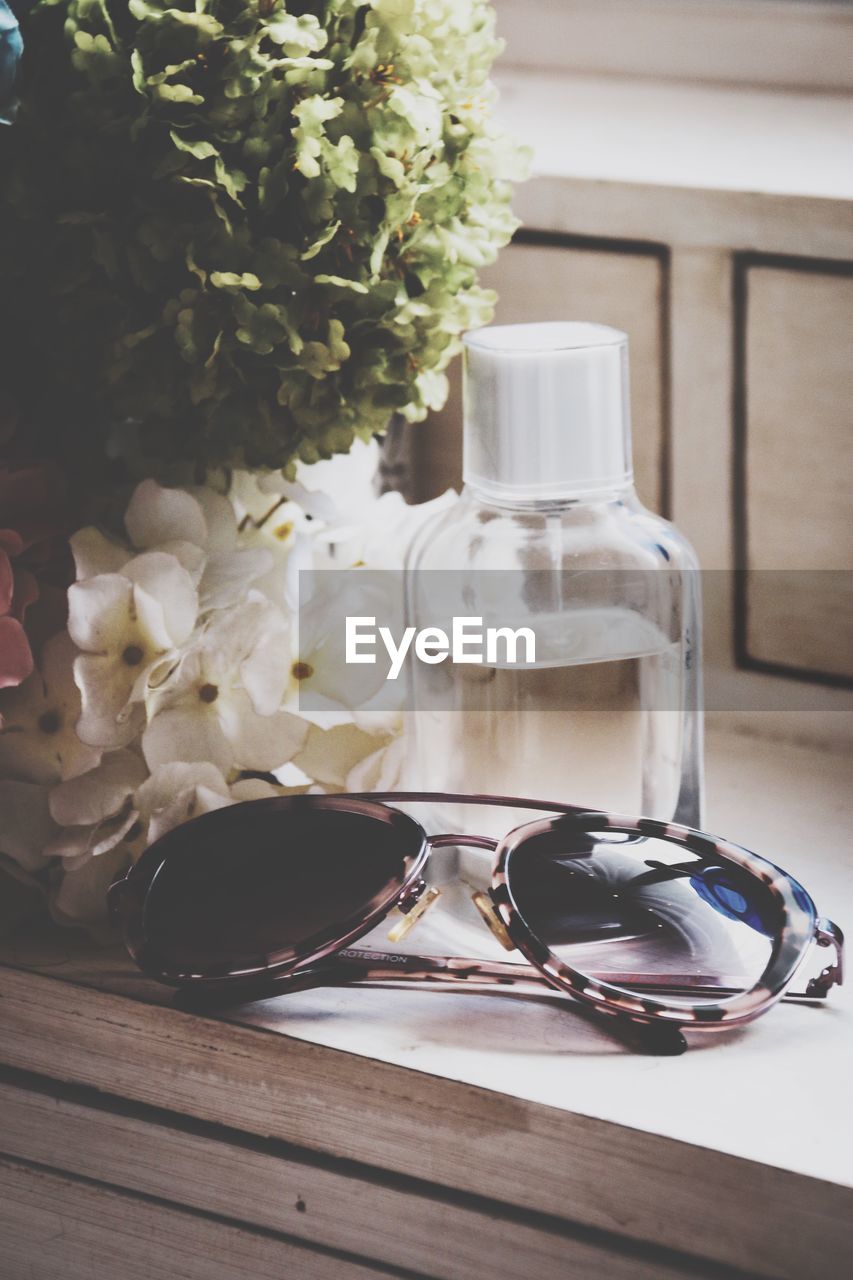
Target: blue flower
11	48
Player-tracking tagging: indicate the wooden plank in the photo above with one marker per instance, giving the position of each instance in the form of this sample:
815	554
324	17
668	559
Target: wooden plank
557	199
265	1184
617	1179
54	1227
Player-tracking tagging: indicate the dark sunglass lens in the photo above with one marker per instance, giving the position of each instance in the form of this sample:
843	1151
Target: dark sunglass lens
645	914
243	888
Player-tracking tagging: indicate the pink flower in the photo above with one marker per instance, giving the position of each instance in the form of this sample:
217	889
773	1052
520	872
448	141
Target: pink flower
34	561
17	592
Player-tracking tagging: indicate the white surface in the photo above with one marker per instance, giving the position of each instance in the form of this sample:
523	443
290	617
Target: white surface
682	135
777	1091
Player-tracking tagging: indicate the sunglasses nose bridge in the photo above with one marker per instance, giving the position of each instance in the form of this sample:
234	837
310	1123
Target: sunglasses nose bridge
414	904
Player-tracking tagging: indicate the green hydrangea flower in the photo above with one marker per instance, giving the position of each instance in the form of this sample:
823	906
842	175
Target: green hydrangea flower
251	231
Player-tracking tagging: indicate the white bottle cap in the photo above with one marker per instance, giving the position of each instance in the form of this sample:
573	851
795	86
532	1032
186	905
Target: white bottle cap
546	410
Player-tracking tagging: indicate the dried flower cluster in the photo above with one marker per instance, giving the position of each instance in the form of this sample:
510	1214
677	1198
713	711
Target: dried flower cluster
247	233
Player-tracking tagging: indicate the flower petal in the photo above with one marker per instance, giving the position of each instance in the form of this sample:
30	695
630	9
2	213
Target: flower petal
156	515
94	553
38	741
329	755
167	781
189	804
106	687
219	518
16	659
347	480
98	612
265	673
105	684
227	576
152	631
261	742
184	733
99	794
189	555
230	637
7	583
80	843
79	897
166	580
381	771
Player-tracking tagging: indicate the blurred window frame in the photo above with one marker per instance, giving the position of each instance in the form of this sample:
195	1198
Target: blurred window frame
800	45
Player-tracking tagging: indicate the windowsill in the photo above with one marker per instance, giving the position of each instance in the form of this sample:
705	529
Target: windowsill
679	135
797	44
774	1093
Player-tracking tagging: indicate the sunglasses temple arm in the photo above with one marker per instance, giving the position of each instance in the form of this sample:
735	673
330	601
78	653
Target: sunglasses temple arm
351	967
355	967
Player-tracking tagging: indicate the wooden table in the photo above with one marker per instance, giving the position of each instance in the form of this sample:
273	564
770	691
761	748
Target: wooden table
353	1134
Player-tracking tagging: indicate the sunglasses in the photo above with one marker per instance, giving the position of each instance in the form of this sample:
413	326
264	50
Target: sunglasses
653	927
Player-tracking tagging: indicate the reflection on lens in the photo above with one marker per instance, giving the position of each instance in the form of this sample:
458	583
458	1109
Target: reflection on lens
644	913
240	887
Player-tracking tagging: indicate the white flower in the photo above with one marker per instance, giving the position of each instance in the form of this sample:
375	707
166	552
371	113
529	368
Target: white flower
380	771
175	793
379	533
330	755
191	661
198	528
222	703
324	490
95	553
322	682
96	812
157	516
78	896
281	529
38	741
347	479
127	624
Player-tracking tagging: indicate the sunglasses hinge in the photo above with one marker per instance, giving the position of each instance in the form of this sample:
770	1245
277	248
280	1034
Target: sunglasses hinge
410	896
828	934
413	905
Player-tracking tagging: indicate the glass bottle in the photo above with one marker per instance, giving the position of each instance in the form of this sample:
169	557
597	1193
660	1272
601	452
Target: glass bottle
548	532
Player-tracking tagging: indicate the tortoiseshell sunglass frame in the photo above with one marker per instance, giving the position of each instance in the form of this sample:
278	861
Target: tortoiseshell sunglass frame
644	1013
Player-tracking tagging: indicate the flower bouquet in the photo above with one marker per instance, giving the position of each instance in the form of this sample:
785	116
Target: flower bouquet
237	239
